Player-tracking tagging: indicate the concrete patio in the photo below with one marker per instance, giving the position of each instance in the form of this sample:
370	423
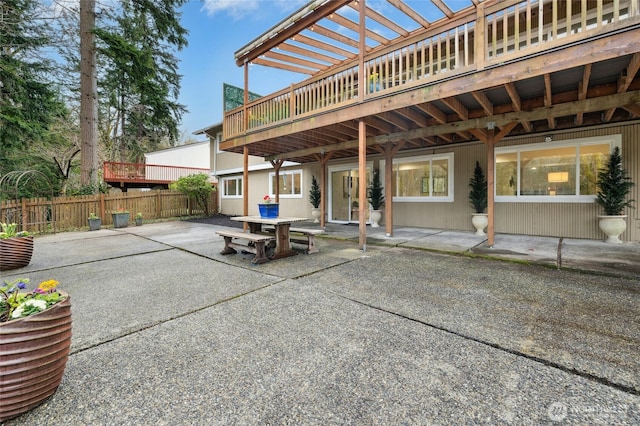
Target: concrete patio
168	331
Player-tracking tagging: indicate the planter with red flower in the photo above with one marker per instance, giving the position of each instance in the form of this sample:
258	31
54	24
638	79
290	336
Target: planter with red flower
268	209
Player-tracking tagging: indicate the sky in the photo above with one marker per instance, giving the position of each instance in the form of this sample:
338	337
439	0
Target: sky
217	29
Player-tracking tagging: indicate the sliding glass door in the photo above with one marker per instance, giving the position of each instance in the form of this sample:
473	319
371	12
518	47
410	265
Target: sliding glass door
343	199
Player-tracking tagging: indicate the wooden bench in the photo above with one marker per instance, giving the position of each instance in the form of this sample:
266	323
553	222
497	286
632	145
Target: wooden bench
302	236
258	247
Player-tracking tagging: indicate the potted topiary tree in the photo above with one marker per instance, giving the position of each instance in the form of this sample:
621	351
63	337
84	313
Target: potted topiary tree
376	199
478	199
314	199
613	187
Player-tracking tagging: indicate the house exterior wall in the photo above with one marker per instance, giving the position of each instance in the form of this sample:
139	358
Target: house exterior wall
559	219
192	155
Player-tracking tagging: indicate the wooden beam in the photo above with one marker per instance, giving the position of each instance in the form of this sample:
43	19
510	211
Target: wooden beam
484	102
281	66
295	60
306	52
625	80
443	7
517	103
341	20
304	18
501	120
457	107
318	44
583	87
334	35
548	99
404	8
386	22
633	109
276	166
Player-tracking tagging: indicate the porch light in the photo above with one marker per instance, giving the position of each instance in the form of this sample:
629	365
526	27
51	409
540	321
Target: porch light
491	125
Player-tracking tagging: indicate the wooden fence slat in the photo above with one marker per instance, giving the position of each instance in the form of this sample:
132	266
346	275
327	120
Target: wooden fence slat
40	215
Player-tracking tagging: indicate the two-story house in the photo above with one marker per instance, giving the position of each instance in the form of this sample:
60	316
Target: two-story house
538	91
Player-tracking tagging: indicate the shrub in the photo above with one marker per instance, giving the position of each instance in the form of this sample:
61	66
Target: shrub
196	187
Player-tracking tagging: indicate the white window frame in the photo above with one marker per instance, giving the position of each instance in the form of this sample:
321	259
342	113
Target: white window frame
272	192
430	158
612	140
239	184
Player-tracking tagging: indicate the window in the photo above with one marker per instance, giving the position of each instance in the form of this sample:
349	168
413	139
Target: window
426	178
290	183
232	187
563	171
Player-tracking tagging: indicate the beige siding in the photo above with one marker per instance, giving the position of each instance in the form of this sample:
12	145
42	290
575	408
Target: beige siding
571	220
259	187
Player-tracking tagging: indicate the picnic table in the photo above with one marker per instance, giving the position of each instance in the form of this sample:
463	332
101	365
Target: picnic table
282	226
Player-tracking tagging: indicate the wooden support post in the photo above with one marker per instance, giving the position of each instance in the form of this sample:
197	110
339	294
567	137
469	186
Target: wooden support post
323	159
245	184
362	187
276	166
389	152
491	143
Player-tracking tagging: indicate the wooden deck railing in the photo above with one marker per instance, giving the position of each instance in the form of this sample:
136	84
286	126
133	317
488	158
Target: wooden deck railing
502	32
142	173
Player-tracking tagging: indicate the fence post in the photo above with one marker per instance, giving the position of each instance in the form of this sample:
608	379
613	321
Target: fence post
158	204
102	212
24	214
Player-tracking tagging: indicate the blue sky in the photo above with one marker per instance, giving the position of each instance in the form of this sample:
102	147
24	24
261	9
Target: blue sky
217	29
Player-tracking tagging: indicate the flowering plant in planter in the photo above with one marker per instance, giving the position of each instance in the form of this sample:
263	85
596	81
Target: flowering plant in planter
35	341
267	209
14	304
10	230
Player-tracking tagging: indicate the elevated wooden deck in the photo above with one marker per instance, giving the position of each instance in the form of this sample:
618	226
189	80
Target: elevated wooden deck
140	175
513	56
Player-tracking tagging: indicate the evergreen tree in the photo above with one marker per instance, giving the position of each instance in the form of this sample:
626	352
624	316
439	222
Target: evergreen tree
478	193
28	101
141	83
614	185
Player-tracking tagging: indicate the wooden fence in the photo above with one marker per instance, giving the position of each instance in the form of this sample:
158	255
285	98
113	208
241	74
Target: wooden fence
40	215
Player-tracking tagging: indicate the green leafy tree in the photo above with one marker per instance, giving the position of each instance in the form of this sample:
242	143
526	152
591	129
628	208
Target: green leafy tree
196	187
29	102
478	193
141	83
613	186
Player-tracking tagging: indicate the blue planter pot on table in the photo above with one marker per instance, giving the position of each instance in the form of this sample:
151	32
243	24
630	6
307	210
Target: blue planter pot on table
269	211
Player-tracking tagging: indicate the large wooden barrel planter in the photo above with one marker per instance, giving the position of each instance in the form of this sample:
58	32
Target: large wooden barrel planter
15	252
33	355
